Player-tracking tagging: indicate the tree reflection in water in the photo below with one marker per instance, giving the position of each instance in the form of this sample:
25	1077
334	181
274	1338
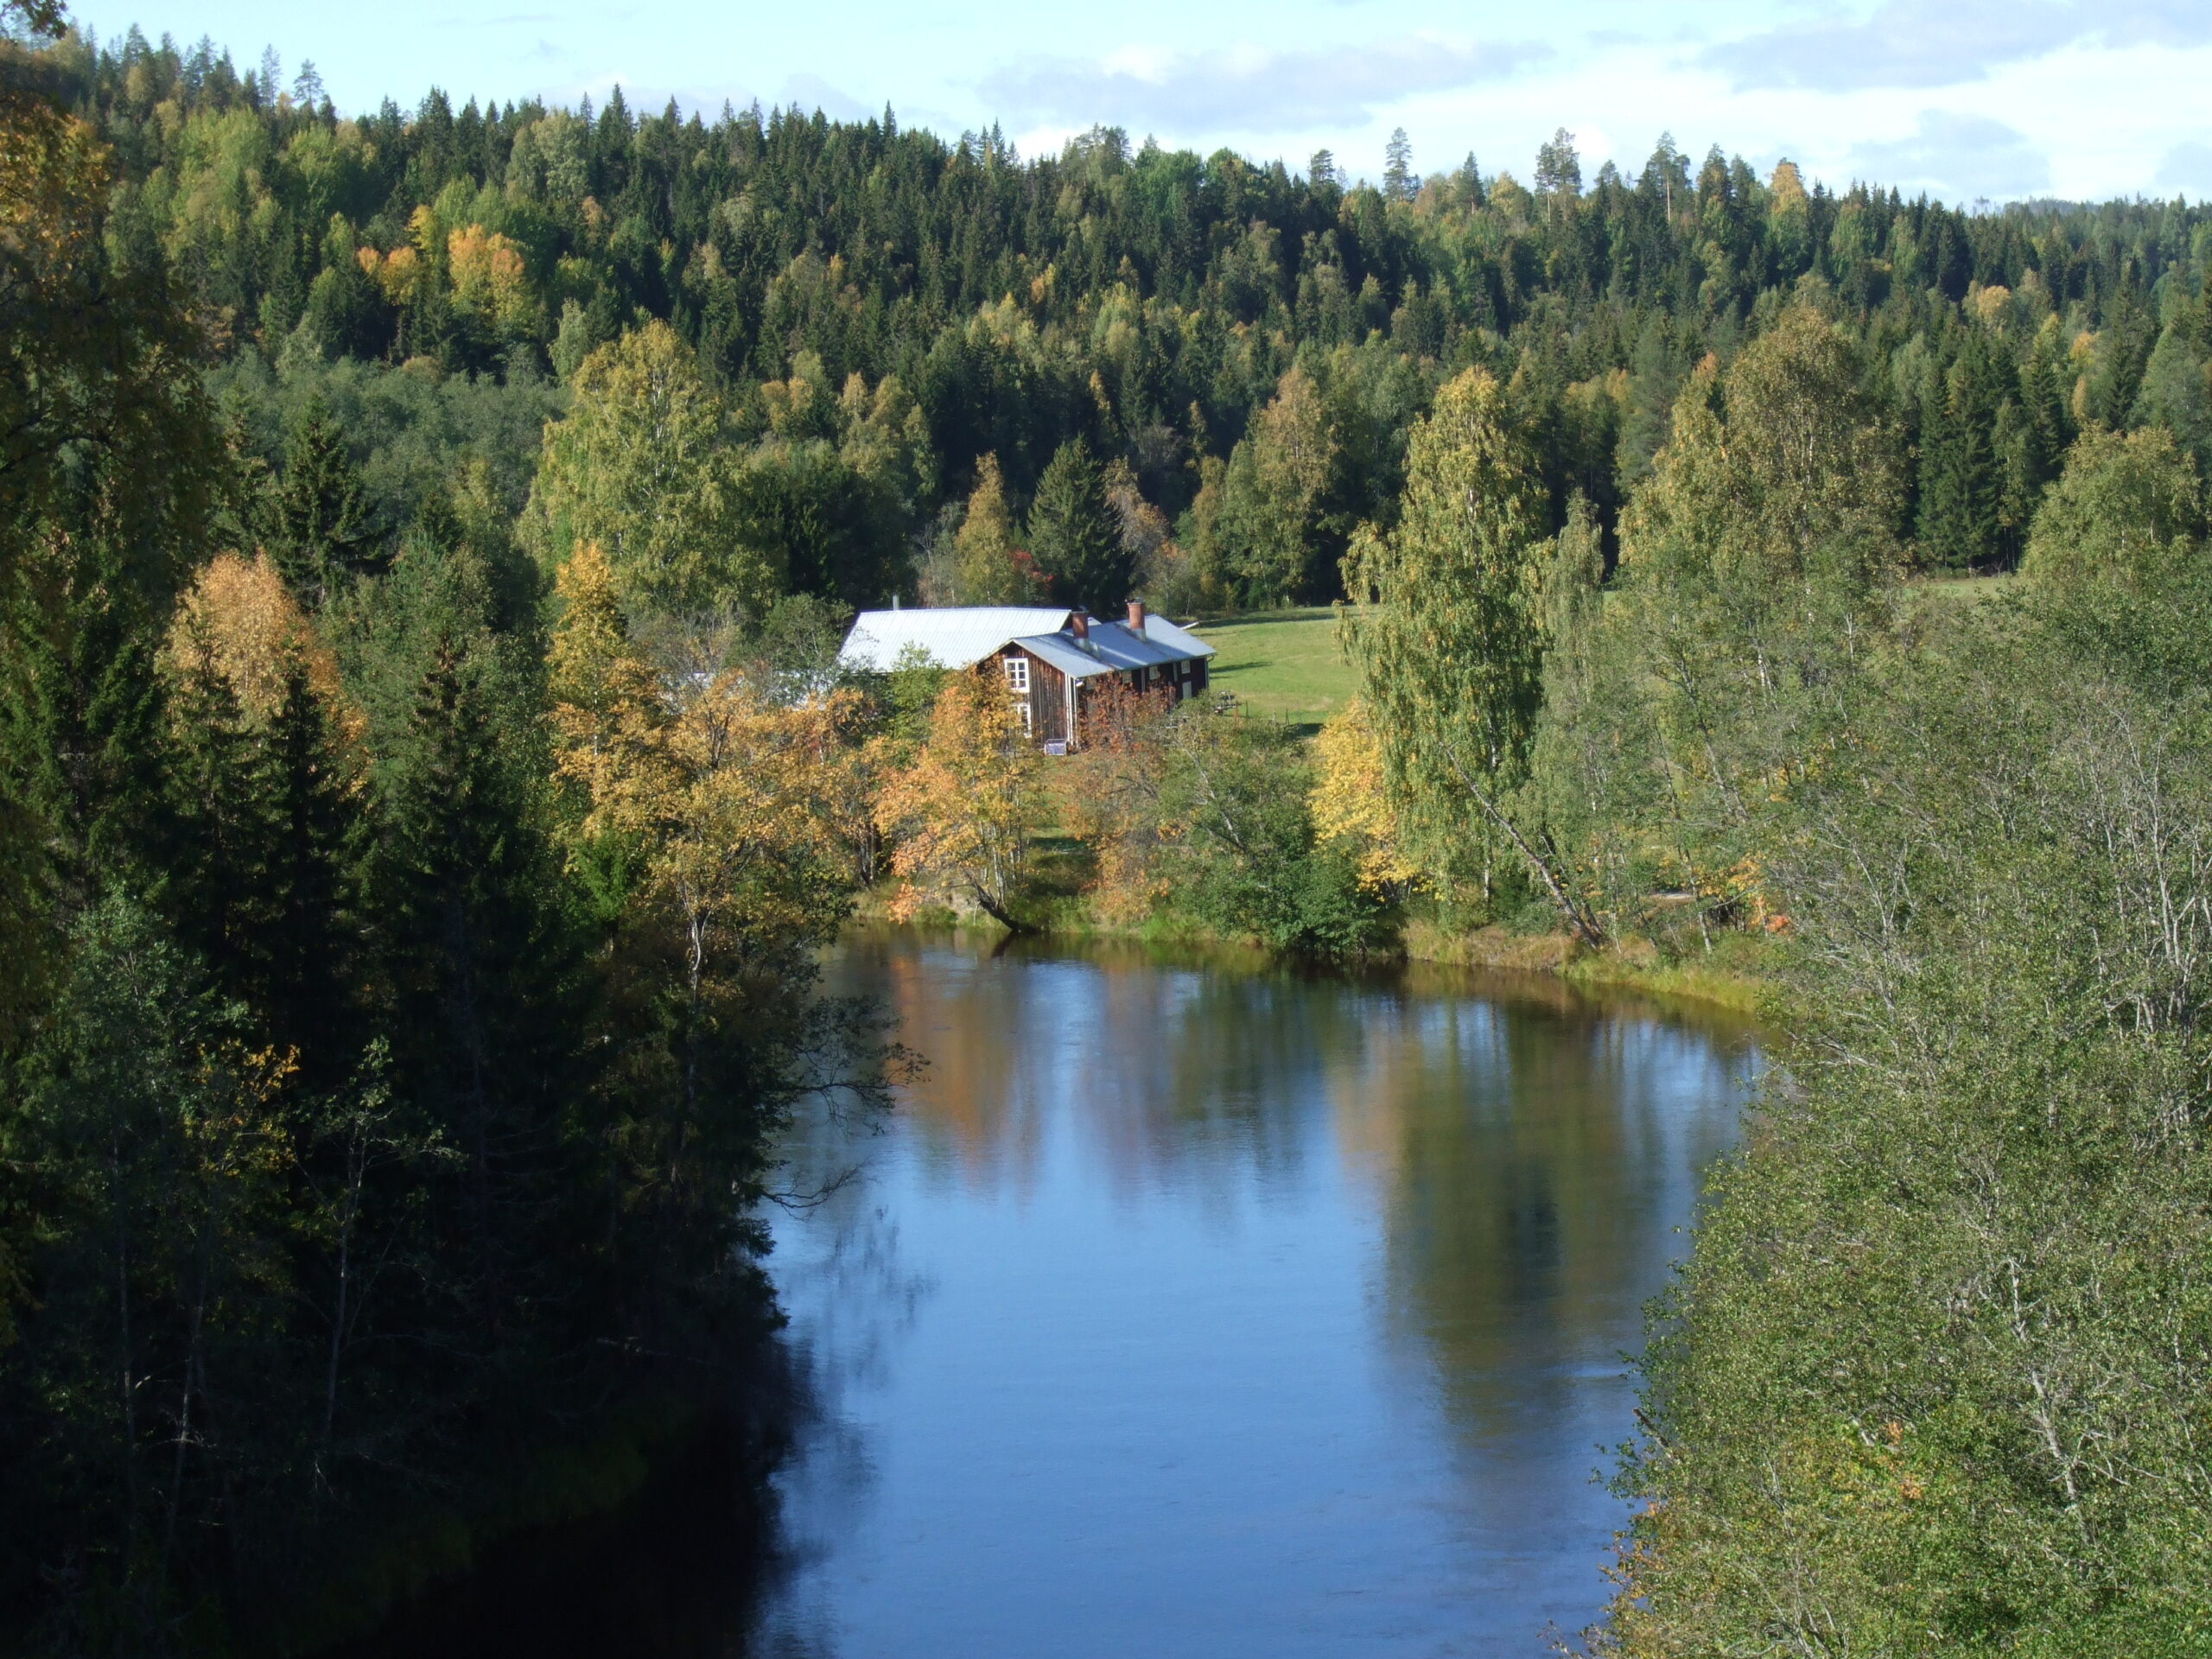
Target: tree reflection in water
1188	1306
1294	1303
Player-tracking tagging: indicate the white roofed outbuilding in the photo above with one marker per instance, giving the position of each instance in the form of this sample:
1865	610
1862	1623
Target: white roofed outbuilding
1048	654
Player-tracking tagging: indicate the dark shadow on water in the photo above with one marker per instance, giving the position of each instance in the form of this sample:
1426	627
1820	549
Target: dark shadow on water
687	1569
1191	1304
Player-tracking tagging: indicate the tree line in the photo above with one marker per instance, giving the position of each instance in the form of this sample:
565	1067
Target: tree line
1250	344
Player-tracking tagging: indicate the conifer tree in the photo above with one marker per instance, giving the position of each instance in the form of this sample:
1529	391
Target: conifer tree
2176	396
318	514
1962	484
219	886
988	567
1398	181
1074	536
307	955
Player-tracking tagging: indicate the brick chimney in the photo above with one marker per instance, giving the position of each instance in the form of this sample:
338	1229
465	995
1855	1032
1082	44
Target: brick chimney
1136	617
1079	622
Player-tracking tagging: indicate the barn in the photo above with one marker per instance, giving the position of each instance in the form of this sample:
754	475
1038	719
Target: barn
1055	661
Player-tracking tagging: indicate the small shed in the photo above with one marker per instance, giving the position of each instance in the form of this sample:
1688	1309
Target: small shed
1054	661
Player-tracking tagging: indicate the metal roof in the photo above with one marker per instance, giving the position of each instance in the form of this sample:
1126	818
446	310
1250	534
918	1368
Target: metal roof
961	637
1116	646
957	637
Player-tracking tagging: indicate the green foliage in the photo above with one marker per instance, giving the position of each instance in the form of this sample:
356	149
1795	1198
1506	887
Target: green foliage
318	517
323	1124
1270	534
639	469
336	974
1167	311
1241	857
1756	563
2118	562
1447	638
2177	395
1931	1373
1074	536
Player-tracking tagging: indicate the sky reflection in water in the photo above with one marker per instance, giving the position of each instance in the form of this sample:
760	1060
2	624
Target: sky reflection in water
1210	1312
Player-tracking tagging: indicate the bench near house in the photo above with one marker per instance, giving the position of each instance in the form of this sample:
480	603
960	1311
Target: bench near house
1054	661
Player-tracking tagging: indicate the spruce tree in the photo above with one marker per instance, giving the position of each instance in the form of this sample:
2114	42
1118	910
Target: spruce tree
319	516
1398	181
1074	535
466	899
217	885
305	952
1962	485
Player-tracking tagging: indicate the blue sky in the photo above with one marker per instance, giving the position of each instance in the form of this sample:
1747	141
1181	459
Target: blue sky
1967	99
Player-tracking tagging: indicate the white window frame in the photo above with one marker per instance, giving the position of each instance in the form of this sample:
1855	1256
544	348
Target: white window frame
1017	676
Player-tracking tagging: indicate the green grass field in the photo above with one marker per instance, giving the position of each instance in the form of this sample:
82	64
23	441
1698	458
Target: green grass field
1283	664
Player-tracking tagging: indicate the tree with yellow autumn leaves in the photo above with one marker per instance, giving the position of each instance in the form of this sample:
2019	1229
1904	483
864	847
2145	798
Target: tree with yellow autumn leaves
728	814
961	814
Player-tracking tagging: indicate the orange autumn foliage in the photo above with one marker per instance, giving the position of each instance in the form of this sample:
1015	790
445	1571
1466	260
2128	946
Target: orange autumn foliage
239	613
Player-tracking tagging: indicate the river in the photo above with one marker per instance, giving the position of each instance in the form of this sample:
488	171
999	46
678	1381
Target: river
1192	1308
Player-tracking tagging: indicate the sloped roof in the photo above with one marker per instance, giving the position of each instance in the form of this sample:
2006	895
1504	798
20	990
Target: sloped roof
1115	645
960	637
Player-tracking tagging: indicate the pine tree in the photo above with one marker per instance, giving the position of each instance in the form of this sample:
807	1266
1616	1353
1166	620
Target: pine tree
1073	533
1559	166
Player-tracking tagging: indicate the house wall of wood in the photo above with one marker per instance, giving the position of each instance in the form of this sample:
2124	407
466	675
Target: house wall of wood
1045	697
1043	691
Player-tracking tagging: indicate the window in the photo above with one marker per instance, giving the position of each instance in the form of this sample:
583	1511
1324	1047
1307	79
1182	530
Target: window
1017	676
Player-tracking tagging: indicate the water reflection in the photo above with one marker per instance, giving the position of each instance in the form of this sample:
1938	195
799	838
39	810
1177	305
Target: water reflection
1192	1310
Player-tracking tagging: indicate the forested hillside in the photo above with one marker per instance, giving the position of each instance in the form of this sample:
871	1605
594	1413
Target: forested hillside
1252	341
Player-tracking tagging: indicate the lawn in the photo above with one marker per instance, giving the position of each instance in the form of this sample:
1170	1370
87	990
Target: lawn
1282	664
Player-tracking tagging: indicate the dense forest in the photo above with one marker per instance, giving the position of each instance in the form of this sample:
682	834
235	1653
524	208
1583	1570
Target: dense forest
873	310
424	538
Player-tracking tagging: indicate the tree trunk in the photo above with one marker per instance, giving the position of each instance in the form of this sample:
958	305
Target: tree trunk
1579	921
997	911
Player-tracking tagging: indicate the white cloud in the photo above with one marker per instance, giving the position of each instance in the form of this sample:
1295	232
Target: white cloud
1245	88
1957	157
1918	44
2187	168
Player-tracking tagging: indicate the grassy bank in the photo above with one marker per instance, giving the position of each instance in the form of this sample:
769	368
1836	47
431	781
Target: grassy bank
1737	974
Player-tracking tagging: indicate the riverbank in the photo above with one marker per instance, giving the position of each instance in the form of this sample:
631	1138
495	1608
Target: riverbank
1737	974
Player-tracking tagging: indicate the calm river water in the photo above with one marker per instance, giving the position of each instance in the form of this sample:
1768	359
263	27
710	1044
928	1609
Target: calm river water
1183	1309
1188	1310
